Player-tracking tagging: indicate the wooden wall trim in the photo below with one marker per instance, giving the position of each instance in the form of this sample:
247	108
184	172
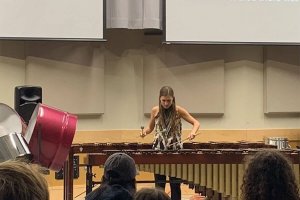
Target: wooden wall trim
204	136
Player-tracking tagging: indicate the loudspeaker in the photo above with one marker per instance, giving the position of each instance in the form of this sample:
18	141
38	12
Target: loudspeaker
26	98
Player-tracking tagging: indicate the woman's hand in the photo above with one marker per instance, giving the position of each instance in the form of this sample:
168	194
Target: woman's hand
192	136
143	133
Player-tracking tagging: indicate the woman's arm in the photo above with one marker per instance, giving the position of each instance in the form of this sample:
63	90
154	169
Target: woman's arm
189	118
151	123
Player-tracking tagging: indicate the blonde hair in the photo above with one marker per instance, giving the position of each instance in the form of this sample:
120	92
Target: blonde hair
167	91
20	180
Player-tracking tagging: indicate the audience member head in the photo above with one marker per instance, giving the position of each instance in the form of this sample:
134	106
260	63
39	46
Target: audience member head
119	169
20	180
269	176
111	192
151	194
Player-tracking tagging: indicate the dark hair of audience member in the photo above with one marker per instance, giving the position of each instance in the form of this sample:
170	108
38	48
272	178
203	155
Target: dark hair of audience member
20	180
269	176
151	194
110	192
120	188
113	180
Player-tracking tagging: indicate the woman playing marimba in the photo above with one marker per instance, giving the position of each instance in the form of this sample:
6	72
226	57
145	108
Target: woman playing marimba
166	121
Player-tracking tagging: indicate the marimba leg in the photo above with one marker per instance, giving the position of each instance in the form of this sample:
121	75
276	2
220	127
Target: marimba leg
160	181
89	179
175	188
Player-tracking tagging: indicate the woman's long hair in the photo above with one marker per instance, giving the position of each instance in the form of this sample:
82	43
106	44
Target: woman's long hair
167	117
269	176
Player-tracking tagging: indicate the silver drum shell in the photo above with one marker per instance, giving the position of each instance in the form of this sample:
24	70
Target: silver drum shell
12	146
280	142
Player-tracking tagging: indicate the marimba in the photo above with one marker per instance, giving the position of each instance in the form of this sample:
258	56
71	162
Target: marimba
217	167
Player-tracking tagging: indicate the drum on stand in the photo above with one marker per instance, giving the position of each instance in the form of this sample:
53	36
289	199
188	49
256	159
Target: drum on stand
50	135
12	143
13	146
10	121
280	142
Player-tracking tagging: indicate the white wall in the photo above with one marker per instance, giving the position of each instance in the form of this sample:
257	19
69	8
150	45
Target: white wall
123	82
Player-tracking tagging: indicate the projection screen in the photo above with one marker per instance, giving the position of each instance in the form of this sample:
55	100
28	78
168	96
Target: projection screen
232	21
53	19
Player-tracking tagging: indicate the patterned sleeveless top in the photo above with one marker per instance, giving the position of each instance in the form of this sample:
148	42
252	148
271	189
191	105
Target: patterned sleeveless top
165	136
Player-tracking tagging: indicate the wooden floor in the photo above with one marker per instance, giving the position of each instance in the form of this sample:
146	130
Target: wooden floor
56	193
